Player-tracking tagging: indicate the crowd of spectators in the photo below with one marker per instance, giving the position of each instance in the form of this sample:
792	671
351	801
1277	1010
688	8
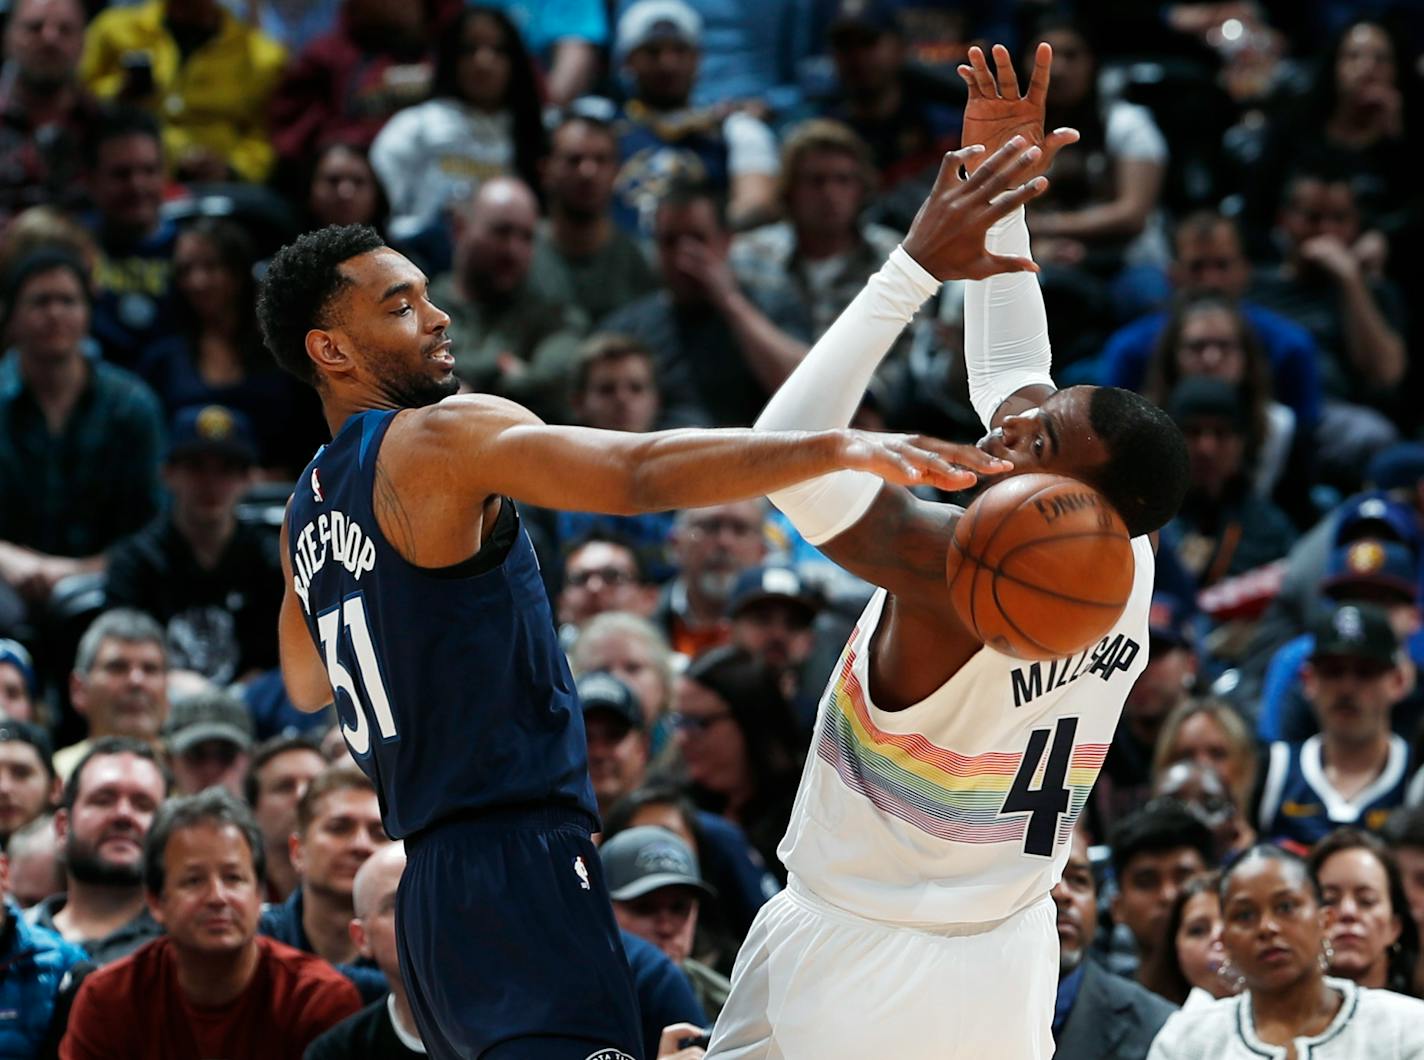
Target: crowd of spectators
639	214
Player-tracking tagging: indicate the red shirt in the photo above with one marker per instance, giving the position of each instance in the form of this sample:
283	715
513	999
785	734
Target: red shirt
135	1008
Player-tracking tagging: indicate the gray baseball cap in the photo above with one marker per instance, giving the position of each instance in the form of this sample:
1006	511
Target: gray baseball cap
646	859
207	716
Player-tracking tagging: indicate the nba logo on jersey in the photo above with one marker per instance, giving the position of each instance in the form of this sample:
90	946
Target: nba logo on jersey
581	871
316	486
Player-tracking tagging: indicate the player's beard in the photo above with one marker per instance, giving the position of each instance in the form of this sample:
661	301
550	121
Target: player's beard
412	387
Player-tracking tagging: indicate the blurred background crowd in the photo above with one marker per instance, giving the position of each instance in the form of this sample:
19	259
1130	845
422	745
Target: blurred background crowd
638	214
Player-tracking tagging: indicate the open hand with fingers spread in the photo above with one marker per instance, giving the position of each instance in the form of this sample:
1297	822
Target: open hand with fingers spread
996	112
947	236
917	460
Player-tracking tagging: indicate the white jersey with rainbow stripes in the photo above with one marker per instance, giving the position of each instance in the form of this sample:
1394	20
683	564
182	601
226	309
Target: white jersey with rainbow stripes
959	809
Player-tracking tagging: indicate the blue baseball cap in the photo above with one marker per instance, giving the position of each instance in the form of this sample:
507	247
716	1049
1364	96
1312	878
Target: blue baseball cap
1397	467
772	583
1371	563
600	690
874	16
15	653
1375	515
202	430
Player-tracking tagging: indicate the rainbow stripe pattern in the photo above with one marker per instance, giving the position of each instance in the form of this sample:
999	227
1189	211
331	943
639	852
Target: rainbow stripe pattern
945	794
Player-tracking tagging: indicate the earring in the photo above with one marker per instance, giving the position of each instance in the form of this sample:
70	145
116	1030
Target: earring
1231	975
1327	954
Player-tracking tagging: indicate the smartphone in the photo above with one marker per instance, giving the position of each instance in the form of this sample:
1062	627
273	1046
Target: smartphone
138	74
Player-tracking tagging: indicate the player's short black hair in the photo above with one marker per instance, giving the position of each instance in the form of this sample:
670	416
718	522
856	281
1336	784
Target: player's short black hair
1145	476
1161	825
296	293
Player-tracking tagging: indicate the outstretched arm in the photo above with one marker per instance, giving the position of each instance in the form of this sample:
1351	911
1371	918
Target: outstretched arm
475	446
1006	349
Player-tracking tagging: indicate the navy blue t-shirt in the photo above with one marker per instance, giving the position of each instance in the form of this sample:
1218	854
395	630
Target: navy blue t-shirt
453	694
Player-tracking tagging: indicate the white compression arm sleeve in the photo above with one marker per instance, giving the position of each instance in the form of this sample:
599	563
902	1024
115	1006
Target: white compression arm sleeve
1006	343
827	387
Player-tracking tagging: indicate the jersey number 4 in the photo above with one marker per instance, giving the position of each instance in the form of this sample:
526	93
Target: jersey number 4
351	613
1047	802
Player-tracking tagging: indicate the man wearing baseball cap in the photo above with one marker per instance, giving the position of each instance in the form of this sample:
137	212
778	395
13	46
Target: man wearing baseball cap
659	46
772	611
213	582
1374	570
1355	770
657	890
617	737
209	739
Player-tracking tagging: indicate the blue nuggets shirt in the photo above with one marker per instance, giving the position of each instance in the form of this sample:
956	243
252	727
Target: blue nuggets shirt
453	694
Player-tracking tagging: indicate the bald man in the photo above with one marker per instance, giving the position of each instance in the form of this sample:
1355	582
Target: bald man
385	1030
508	339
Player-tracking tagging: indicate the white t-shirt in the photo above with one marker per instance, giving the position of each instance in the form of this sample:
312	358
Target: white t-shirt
960	808
1130	134
435	153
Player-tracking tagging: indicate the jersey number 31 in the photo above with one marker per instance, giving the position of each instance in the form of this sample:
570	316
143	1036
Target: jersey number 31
351	613
1047	802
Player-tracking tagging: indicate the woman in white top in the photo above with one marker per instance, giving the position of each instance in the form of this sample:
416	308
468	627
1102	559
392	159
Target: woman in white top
1102	207
1274	936
483	120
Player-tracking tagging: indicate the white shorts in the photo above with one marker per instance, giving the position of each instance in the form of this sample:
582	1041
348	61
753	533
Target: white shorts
813	982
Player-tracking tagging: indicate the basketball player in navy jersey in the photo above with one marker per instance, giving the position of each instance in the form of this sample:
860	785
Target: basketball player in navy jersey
414	601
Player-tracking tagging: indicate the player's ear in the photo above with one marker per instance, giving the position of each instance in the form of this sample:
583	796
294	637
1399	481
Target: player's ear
358	936
294	852
326	351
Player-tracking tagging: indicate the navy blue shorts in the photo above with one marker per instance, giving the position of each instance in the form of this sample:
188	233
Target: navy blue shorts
508	945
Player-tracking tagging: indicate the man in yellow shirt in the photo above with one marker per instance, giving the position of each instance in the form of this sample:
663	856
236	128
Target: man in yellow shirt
204	73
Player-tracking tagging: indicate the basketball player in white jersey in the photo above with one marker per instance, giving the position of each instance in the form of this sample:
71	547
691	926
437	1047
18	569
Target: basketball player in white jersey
943	781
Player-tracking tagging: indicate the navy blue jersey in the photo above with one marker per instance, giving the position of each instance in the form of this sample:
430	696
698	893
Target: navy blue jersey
453	694
1299	803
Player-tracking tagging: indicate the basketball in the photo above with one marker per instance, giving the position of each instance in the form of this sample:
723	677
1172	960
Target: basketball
1040	566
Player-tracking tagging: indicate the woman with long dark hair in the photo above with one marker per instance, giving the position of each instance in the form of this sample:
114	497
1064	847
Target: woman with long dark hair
1355	118
1207	335
217	356
1190	972
1101	211
341	187
739	741
483	119
1372	934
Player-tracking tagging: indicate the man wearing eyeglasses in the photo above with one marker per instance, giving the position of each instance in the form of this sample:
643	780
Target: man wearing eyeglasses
209	738
712	547
1355	770
602	574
